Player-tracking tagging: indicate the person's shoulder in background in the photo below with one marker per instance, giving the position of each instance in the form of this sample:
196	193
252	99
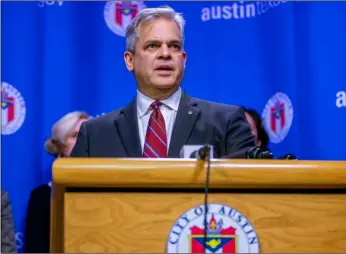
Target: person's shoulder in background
37	230
8	239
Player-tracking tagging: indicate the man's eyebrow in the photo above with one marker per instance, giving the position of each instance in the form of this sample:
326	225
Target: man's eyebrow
175	41
158	41
152	41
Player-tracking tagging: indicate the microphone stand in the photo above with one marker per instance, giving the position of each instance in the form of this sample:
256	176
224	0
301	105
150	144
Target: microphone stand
204	154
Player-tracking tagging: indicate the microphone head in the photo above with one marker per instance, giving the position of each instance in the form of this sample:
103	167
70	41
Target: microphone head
258	153
196	151
266	154
204	152
194	155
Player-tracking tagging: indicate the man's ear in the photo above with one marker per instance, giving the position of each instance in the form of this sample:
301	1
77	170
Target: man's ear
185	58
128	58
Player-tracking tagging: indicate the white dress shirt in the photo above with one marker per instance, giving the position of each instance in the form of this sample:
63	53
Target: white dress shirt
169	109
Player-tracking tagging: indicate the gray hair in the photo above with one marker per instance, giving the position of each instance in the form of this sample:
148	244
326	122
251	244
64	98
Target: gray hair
61	130
149	14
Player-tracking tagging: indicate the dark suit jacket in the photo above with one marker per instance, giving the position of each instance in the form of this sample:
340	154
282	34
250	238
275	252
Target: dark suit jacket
197	122
37	228
8	238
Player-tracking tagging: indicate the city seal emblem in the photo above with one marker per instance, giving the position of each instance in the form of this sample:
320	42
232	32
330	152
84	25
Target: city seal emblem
228	231
119	14
13	109
277	117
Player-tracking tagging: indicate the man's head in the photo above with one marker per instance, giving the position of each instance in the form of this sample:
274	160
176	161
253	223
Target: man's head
155	51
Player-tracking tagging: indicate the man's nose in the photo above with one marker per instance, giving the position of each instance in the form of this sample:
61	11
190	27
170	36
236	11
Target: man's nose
164	52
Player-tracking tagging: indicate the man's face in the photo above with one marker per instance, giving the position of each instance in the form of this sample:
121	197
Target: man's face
158	61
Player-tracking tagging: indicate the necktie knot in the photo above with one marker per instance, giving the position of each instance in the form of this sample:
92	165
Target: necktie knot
155	105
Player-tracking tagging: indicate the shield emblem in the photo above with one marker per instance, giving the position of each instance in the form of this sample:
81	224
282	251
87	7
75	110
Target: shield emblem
277	119
219	240
125	10
8	108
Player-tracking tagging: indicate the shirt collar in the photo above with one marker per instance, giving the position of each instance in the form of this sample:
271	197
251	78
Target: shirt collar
144	102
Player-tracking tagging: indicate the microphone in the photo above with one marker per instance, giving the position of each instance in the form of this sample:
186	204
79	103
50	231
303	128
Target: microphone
258	153
252	153
204	153
201	153
262	153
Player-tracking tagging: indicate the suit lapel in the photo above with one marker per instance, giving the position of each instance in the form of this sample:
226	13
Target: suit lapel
127	125
187	116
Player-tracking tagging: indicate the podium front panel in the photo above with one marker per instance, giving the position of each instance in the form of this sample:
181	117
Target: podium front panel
106	221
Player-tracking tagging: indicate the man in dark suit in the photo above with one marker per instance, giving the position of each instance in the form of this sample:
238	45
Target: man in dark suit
8	239
162	118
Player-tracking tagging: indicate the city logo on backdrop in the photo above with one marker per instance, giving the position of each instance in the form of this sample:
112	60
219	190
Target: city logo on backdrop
238	10
118	14
277	117
228	231
340	99
13	109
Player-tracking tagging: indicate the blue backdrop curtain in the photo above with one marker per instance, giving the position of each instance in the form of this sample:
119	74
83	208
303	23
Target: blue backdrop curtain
287	60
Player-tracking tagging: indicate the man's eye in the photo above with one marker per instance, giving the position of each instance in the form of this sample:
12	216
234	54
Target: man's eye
176	47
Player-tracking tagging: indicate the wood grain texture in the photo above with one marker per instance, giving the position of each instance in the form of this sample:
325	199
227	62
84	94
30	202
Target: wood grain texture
187	173
140	223
57	219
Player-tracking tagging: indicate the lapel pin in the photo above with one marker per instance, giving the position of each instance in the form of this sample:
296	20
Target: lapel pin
190	112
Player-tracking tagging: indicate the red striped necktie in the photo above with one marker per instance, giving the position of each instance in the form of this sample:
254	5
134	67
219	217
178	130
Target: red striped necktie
155	144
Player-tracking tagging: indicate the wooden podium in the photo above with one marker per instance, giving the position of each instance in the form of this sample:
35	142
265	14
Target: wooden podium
157	206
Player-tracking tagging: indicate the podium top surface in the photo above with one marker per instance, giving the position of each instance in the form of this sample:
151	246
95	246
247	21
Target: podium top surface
189	173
